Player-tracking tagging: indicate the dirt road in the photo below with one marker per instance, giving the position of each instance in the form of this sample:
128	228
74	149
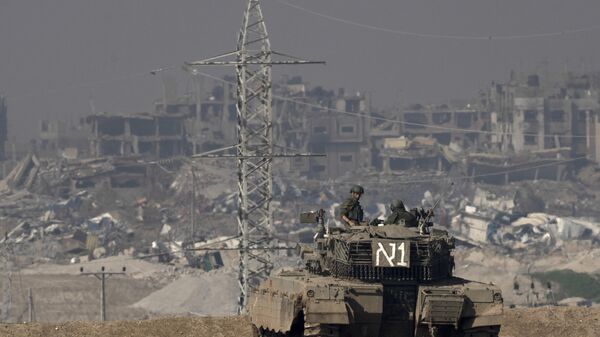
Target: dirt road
547	322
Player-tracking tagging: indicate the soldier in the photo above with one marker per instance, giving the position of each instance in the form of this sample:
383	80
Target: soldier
352	212
400	216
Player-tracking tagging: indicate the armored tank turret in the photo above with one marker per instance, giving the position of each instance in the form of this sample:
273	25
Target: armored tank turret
376	280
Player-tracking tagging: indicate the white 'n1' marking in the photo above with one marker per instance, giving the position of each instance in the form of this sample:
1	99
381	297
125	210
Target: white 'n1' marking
390	258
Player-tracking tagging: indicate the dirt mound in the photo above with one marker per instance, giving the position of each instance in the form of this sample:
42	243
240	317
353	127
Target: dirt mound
213	294
547	322
167	327
552	322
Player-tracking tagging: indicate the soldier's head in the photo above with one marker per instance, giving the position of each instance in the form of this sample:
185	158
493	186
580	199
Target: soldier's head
397	205
357	191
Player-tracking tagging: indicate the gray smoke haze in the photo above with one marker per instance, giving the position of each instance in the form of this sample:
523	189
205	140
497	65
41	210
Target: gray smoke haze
57	55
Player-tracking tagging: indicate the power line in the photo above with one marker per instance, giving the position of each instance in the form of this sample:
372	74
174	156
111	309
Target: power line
282	98
440	36
435	178
495	173
83	85
395	121
102	275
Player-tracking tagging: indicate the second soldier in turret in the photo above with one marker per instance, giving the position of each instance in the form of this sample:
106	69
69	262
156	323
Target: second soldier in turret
400	216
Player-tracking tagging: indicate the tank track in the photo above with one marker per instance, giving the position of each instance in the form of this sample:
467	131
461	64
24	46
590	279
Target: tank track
480	332
450	332
320	330
328	330
310	330
270	333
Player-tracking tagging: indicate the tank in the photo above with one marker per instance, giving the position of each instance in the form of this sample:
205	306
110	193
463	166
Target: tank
375	280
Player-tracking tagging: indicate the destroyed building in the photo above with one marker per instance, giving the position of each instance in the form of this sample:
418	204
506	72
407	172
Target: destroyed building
61	138
524	129
447	124
534	126
214	118
530	115
343	138
427	137
160	134
399	154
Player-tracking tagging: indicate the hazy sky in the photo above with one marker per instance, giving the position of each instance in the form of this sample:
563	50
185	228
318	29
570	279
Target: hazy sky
56	55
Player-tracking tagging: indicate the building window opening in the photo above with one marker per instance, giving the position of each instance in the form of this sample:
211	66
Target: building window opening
557	116
530	115
346	158
415	120
463	120
530	140
112	126
318	168
400	164
347	129
142	127
320	130
441	117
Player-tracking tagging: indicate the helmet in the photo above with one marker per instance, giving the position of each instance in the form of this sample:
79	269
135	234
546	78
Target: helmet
397	204
357	189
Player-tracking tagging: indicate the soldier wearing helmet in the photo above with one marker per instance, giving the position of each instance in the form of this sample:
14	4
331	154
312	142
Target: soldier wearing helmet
351	210
400	216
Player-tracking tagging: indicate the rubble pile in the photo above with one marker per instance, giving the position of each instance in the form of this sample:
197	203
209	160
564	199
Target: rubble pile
66	210
517	221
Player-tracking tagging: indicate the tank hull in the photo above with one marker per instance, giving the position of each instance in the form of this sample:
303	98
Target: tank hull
304	304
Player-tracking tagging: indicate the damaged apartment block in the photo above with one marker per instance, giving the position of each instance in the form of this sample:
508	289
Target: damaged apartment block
213	118
343	138
429	137
157	135
533	116
537	124
446	124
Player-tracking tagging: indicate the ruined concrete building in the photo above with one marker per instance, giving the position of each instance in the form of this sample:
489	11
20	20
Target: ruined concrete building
447	124
160	134
535	126
180	125
427	137
520	130
63	139
213	120
423	153
344	138
529	116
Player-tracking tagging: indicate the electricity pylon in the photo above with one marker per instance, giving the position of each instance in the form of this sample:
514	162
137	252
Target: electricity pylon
253	61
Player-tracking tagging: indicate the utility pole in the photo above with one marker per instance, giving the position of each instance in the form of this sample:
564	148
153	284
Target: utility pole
253	60
193	208
30	305
102	275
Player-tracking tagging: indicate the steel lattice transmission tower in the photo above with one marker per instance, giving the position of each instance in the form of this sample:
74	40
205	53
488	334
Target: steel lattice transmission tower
254	129
253	61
